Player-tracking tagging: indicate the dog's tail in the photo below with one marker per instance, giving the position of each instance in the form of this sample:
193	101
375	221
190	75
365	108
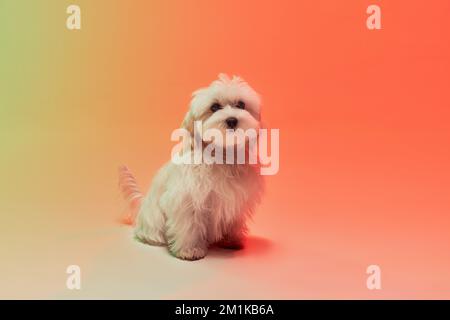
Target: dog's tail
131	193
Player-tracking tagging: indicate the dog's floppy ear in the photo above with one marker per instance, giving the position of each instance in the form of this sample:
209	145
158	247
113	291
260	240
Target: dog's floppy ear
188	123
197	102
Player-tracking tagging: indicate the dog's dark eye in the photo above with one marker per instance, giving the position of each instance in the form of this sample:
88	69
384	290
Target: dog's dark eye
215	107
240	104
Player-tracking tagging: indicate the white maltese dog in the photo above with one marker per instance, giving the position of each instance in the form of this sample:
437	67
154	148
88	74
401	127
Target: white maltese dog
192	206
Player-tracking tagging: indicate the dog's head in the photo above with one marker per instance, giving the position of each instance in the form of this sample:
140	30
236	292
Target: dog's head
227	104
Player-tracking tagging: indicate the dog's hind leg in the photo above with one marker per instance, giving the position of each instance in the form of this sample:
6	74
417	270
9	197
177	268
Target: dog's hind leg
151	219
150	224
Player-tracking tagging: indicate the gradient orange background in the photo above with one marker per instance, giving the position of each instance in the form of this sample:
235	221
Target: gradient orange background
364	144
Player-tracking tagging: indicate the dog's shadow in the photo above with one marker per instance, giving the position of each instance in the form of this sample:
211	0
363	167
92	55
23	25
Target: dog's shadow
253	246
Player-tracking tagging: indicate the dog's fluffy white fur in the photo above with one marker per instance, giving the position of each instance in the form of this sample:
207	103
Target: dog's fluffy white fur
192	206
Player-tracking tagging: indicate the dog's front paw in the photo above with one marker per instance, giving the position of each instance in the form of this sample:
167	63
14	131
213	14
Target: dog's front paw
195	253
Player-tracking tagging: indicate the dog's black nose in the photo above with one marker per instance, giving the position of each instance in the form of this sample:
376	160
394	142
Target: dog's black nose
231	122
